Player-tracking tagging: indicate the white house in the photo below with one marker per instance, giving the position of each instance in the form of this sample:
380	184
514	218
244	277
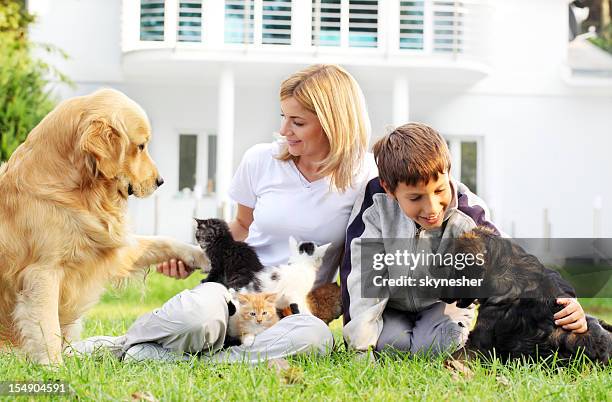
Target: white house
527	114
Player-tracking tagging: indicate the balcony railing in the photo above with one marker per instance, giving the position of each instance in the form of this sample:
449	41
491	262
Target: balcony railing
388	26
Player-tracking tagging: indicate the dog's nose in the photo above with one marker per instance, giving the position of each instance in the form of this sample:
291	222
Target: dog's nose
159	181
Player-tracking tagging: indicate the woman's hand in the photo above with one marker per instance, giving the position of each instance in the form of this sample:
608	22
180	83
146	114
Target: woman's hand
174	269
572	316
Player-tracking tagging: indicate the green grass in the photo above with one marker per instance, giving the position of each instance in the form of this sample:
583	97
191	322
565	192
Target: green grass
337	377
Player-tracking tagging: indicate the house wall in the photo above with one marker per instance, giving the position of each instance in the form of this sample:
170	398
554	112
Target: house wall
544	152
545	141
88	30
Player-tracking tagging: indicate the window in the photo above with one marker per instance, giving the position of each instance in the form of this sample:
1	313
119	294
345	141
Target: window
412	14
190	21
239	15
326	23
448	26
363	23
151	20
276	20
188	157
198	162
469	164
466	161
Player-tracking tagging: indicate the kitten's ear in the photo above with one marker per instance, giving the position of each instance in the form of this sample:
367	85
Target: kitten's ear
198	221
322	249
293	244
270	297
293	248
243	299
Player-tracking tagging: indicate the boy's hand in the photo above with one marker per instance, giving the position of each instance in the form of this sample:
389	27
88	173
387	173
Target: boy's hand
572	316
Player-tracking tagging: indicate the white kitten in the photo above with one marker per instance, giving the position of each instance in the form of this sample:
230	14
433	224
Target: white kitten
293	281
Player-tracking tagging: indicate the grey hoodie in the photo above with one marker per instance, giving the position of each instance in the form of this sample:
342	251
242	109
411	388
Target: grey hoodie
379	219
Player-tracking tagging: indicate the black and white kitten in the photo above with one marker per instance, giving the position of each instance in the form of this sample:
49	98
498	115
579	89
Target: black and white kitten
293	281
233	264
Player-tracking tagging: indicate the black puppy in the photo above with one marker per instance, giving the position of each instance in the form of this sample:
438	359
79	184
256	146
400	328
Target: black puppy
515	317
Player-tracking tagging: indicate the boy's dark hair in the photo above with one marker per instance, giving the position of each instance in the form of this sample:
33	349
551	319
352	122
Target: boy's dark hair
413	153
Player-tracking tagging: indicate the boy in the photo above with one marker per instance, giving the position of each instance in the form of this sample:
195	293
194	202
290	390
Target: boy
413	198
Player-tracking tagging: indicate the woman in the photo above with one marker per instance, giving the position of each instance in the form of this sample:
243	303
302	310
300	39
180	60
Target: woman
304	186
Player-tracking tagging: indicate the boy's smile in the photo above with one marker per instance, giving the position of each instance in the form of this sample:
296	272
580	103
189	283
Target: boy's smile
424	203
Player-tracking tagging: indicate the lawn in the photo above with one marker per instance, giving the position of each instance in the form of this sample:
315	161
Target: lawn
337	377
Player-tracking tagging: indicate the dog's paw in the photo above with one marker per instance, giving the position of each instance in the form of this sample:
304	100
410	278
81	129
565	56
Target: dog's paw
458	368
39	352
48	360
195	257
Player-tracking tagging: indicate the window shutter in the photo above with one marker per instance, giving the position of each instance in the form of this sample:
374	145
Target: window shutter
448	30
363	23
239	15
326	23
411	24
276	22
151	20
190	21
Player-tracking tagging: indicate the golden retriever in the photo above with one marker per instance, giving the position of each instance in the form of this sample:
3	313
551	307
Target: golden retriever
63	231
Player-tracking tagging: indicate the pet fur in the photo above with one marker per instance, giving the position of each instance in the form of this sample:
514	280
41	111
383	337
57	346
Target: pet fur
233	264
293	281
63	237
255	313
325	302
516	318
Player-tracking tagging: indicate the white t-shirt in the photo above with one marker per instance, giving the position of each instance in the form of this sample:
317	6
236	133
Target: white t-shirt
286	204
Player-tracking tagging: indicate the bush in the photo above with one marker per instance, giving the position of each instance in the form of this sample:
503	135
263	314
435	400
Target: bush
604	40
25	95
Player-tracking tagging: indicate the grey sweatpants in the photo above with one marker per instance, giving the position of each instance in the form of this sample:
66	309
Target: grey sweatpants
438	329
196	320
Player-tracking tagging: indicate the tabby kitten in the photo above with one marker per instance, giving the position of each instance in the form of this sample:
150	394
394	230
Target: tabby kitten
256	312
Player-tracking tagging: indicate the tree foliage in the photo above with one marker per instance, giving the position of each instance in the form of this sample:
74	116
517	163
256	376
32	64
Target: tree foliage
25	93
604	39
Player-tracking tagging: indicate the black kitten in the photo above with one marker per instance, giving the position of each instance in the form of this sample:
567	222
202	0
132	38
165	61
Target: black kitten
234	264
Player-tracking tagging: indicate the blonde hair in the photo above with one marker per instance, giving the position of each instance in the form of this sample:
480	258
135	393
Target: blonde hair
334	96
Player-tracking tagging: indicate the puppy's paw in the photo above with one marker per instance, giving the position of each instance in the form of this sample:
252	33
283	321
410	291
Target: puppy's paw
457	368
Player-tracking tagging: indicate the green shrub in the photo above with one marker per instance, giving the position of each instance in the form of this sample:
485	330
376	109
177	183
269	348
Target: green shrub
604	40
25	93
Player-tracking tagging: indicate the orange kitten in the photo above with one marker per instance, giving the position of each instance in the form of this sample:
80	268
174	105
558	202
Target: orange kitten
256	312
